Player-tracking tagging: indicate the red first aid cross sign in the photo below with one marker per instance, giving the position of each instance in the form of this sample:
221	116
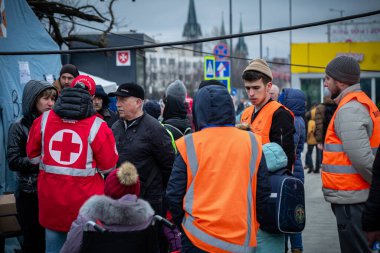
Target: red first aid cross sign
123	58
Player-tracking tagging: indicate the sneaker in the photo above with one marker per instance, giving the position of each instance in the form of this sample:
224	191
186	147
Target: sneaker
296	251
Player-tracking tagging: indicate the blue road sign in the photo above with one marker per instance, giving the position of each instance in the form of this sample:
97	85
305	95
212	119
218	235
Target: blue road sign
222	69
226	82
209	67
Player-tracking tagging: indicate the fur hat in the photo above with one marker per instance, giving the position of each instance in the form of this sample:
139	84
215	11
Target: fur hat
124	180
177	89
84	82
344	69
69	68
261	66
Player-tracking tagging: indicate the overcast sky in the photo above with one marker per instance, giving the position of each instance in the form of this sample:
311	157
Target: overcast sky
164	20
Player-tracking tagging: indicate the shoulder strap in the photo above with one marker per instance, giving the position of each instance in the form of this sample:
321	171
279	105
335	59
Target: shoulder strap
187	131
175	128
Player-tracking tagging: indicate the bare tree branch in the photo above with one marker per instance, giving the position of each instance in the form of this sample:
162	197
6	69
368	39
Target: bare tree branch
54	7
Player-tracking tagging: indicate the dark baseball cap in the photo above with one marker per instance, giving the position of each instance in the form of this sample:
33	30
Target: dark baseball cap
128	90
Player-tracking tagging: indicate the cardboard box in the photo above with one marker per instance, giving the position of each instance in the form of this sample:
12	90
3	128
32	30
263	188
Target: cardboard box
9	224
7	205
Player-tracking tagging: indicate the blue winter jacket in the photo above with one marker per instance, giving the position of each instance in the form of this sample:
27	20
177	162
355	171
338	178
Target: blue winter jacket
294	100
212	107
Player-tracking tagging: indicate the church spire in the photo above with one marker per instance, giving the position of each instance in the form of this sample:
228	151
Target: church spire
241	48
222	30
192	29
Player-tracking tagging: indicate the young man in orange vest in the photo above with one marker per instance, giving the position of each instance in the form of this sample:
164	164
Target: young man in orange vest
267	118
348	154
219	183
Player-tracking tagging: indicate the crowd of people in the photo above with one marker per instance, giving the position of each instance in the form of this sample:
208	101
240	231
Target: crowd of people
81	165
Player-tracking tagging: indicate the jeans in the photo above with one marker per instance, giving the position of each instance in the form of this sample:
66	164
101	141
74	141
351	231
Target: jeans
54	240
309	159
295	241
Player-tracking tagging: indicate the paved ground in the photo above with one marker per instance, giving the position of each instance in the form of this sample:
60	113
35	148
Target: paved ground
320	234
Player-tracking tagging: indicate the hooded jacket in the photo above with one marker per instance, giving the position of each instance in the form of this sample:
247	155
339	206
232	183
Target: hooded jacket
209	112
295	100
323	115
128	213
18	134
175	117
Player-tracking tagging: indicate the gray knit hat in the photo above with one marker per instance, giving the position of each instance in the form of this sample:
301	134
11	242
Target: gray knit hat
344	69
261	66
177	89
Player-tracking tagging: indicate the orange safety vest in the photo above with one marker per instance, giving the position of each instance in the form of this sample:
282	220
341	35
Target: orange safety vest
263	121
337	171
219	205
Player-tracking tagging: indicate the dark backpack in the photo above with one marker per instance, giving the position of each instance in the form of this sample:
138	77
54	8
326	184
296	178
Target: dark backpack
176	132
286	205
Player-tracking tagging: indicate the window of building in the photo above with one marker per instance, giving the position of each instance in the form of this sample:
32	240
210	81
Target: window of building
172	61
365	84
162	61
312	90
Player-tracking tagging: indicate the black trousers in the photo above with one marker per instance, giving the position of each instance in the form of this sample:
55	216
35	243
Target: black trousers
33	232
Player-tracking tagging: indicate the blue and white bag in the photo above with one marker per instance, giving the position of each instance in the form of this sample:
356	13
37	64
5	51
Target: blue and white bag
285	211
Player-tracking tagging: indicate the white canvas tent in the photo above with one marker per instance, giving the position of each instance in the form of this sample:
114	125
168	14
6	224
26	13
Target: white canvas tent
108	86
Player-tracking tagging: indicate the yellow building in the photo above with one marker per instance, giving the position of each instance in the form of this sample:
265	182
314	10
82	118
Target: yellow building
310	59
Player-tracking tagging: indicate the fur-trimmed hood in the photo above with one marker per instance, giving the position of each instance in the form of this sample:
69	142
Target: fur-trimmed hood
128	210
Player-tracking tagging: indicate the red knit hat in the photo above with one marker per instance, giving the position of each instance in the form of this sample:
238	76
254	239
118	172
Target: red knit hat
87	81
124	180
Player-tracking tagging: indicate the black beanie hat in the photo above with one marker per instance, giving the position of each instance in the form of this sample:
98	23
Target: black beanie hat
69	68
209	82
344	69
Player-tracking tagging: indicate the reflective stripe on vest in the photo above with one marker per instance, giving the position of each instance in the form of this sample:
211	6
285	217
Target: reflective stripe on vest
43	126
189	200
339	148
68	171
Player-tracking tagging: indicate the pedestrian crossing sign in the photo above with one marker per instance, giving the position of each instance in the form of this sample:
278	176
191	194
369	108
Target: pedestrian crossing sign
209	67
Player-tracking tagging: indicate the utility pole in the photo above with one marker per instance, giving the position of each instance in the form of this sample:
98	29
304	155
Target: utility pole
261	38
290	40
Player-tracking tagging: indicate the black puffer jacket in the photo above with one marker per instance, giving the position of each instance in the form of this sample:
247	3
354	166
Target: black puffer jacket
74	103
18	135
175	117
146	144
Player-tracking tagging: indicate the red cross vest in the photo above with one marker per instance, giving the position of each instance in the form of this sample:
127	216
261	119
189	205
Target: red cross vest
68	170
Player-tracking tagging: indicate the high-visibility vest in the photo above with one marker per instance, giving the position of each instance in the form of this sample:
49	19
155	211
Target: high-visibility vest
263	121
338	174
219	205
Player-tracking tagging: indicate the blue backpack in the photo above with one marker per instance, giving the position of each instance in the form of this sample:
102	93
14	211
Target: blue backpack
285	212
